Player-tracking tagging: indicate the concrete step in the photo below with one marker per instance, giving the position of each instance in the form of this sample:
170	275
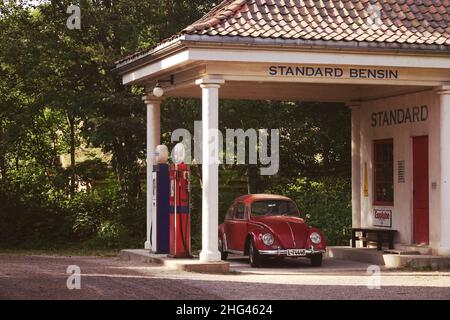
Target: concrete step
191	265
422	249
369	255
394	259
416	261
401	252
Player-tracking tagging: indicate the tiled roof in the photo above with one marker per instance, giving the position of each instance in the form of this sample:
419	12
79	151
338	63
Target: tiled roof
410	24
390	21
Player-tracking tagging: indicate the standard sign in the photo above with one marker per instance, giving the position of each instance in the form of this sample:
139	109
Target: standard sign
332	72
382	218
399	116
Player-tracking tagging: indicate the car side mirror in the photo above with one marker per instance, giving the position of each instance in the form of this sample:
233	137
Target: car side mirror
307	216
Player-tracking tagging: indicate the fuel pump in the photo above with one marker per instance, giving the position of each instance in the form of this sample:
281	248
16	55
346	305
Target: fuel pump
161	193
180	224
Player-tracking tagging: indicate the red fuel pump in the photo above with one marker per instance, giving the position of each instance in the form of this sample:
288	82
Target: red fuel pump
180	224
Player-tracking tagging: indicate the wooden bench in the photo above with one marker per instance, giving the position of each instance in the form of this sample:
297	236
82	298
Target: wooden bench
383	235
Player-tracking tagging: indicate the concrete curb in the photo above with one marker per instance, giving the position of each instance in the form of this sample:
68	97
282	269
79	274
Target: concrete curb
416	261
190	265
388	260
356	254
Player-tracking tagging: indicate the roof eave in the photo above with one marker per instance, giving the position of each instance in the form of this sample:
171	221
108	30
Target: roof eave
320	44
141	58
182	41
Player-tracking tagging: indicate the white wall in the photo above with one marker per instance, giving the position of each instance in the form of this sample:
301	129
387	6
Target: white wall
402	134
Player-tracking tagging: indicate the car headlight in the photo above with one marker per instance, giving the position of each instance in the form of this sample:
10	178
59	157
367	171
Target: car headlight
267	239
315	238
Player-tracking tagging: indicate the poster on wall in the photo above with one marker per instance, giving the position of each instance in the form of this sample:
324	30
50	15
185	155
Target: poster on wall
382	218
366	181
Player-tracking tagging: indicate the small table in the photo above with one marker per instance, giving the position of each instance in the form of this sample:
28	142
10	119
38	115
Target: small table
383	235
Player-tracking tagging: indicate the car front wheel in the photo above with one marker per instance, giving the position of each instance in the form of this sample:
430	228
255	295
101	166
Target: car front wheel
254	256
316	260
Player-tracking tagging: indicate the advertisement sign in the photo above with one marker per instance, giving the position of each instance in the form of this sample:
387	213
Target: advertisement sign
382	218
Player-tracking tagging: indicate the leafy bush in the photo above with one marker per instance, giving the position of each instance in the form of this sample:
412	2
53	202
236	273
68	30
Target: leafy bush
110	231
92	169
108	220
35	214
327	204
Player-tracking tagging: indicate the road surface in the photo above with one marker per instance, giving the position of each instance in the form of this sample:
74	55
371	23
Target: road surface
45	277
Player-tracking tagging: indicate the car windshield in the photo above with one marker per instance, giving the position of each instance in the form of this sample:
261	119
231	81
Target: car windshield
275	208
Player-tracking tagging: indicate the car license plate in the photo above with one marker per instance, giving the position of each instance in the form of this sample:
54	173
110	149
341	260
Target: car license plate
296	252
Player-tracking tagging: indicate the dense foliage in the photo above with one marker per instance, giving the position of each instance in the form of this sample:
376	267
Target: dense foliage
58	96
323	202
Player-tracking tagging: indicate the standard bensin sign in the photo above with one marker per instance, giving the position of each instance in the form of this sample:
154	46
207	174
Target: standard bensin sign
332	72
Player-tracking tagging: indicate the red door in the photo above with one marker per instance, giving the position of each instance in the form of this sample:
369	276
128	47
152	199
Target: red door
420	190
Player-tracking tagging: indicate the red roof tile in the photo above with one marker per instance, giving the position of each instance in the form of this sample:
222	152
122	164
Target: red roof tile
400	21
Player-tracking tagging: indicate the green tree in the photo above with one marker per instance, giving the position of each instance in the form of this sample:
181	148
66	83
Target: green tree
57	90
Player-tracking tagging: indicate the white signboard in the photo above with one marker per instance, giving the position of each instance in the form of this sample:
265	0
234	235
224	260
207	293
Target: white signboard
382	218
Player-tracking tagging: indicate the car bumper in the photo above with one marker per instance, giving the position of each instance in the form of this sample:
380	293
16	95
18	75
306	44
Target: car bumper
283	252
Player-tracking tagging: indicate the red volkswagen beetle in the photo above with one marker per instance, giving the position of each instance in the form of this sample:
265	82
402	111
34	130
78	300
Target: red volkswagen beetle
264	225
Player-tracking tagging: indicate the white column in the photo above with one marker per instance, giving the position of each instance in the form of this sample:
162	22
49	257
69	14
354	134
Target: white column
356	165
444	93
153	139
210	169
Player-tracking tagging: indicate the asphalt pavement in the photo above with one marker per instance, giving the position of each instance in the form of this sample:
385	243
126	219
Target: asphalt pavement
47	277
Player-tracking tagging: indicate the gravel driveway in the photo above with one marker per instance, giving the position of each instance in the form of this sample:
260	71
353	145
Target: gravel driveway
45	277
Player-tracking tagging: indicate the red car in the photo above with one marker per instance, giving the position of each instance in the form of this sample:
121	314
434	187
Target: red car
264	225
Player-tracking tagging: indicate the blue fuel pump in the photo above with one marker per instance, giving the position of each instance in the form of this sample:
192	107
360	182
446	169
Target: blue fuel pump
161	198
162	207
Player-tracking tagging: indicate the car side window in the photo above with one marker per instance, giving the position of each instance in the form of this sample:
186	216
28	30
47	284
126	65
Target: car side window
230	212
241	211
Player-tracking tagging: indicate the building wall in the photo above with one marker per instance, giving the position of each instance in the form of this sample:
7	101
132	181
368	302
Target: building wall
402	134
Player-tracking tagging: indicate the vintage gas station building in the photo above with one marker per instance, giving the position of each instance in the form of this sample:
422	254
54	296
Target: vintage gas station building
388	60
